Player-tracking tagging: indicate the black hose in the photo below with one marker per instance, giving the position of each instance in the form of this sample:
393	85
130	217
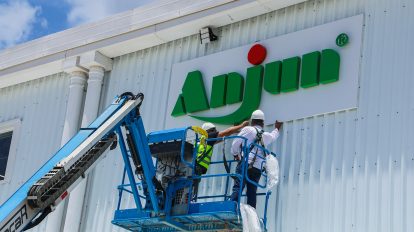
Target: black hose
141	96
129	95
39	219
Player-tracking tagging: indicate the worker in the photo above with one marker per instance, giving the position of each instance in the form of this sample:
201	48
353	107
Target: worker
205	149
254	135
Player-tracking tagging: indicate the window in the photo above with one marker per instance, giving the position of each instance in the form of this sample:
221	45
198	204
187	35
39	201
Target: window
5	142
8	146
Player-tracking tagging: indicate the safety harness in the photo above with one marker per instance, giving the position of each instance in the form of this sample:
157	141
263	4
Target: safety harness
258	139
204	155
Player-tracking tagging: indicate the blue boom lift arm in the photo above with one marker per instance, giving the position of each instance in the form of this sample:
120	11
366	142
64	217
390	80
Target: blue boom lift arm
52	183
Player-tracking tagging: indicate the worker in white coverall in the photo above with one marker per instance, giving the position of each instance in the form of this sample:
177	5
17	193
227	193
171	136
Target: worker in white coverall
253	134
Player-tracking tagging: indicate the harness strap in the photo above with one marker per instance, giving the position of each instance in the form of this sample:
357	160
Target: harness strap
205	153
226	165
258	139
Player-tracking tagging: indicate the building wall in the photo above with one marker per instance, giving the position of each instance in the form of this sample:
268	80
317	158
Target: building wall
345	171
41	106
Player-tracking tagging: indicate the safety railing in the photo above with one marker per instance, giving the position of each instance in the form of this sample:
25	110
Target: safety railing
242	177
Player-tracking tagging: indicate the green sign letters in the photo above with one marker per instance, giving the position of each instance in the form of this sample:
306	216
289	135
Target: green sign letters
310	70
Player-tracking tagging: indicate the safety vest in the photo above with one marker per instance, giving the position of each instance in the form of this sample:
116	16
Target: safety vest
204	153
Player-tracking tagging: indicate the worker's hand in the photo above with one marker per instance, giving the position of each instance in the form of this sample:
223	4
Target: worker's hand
245	123
278	124
236	157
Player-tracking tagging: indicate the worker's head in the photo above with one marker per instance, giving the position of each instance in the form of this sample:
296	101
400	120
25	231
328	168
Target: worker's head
258	118
209	127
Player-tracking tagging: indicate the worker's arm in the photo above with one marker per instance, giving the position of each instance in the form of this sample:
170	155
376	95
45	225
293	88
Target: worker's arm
232	130
269	137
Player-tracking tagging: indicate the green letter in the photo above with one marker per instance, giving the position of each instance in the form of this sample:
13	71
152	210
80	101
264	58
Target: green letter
179	108
218	91
194	94
290	74
272	77
251	99
310	70
235	85
330	63
193	97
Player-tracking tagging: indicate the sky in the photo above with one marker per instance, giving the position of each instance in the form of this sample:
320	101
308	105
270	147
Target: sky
25	20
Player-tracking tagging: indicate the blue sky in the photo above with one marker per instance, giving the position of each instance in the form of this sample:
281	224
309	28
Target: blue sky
24	20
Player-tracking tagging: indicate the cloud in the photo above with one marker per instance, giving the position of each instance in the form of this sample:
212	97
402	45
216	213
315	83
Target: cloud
17	18
88	11
43	23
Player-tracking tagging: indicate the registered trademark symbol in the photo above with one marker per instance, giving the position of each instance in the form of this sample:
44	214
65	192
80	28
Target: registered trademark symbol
342	40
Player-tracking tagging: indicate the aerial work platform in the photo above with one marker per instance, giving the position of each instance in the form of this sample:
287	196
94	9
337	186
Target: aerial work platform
158	176
181	210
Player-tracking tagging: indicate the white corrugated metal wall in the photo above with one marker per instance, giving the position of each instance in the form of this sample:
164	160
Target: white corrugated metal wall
41	106
345	171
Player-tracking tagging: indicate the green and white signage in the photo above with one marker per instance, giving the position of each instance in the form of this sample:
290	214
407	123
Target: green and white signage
298	75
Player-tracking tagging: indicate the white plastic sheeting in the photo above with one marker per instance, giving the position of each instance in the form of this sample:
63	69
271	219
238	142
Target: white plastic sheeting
250	219
272	171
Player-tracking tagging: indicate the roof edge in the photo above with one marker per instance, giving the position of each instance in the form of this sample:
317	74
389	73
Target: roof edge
126	32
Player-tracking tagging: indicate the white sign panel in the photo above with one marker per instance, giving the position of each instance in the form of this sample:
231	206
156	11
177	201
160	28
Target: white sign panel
284	106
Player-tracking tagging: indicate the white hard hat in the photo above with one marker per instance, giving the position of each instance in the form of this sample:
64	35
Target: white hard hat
207	126
258	114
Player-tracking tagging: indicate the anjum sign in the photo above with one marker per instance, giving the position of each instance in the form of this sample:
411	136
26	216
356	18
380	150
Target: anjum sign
305	73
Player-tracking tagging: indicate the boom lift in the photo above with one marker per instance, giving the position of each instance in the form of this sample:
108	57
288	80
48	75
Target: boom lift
159	168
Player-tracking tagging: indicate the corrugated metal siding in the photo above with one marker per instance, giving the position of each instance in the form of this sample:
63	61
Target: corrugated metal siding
345	171
41	105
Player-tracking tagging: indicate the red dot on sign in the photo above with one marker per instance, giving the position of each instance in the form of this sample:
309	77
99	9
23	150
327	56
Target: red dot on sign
257	54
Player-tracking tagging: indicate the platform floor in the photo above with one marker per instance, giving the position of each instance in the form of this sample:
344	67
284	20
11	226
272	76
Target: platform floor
212	216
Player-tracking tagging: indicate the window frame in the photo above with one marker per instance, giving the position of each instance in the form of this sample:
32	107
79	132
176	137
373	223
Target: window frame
14	126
